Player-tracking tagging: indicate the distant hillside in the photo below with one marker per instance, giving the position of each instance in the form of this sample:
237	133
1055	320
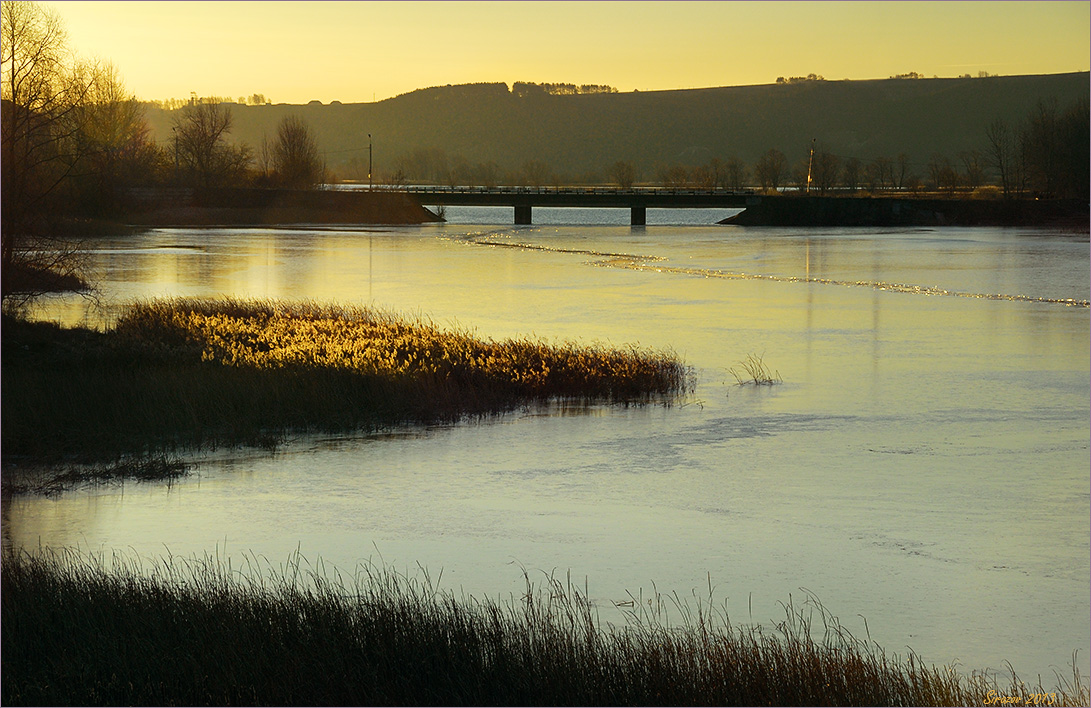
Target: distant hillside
582	135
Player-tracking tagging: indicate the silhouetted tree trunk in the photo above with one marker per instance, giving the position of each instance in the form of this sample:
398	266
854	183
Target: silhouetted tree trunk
1001	153
297	164
851	174
901	173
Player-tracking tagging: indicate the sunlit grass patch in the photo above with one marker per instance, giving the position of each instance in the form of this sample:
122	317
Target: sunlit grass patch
97	630
208	372
277	335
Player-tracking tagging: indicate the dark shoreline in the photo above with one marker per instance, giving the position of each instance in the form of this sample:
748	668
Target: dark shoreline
1067	214
267	207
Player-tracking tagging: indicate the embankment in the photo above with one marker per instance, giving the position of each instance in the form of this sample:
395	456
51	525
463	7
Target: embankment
256	207
866	211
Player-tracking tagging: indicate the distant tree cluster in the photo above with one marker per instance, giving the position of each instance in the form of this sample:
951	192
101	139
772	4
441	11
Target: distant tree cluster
715	174
457	91
1046	155
799	79
173	104
523	89
910	75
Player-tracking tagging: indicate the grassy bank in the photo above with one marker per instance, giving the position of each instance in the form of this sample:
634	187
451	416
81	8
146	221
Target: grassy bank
179	373
84	630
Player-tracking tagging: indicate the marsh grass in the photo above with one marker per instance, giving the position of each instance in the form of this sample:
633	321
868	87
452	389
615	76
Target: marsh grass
97	630
51	480
753	371
176	373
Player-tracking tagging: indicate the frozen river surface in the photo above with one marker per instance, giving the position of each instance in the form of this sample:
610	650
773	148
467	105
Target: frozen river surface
923	465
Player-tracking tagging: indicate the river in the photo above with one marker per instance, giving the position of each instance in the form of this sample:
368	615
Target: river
923	466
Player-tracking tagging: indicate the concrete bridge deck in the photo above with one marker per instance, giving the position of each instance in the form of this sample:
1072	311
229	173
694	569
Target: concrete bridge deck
637	200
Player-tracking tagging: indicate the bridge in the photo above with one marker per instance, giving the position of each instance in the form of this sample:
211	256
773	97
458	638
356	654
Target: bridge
638	200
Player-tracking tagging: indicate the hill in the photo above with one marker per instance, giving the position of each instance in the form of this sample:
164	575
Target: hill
580	136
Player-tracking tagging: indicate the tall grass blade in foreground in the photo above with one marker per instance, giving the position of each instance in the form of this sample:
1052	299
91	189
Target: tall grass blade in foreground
97	630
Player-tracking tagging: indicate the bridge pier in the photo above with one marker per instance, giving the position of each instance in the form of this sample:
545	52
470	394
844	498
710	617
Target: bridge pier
522	214
639	216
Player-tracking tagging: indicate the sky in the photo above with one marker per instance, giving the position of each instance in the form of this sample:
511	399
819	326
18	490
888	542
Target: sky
296	52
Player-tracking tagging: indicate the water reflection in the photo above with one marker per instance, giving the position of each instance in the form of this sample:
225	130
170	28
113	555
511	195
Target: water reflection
883	474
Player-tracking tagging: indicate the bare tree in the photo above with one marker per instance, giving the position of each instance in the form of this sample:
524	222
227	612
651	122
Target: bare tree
1002	153
719	172
879	173
974	165
675	176
535	173
944	176
1054	149
735	174
901	172
851	174
297	163
116	149
623	174
771	170
704	177
204	154
487	174
825	171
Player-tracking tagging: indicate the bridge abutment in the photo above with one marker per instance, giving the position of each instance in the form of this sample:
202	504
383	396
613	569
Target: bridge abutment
522	214
639	216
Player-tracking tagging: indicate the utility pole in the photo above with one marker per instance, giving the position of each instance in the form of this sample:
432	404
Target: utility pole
369	162
810	165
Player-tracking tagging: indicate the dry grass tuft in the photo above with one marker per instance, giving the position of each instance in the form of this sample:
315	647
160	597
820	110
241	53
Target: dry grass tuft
753	371
91	630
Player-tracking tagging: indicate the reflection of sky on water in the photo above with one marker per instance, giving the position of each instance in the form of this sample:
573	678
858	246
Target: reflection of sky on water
924	463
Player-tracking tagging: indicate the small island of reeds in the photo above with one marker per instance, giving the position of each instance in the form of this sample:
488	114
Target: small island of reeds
187	373
97	630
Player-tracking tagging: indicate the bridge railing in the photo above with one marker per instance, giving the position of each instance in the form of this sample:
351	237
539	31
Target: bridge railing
651	191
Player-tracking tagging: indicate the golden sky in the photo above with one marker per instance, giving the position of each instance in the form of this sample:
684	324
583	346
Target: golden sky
295	52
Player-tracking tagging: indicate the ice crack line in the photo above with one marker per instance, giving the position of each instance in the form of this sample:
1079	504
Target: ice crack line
653	263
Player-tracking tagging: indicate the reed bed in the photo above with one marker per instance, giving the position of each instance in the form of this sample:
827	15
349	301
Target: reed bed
187	372
95	630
